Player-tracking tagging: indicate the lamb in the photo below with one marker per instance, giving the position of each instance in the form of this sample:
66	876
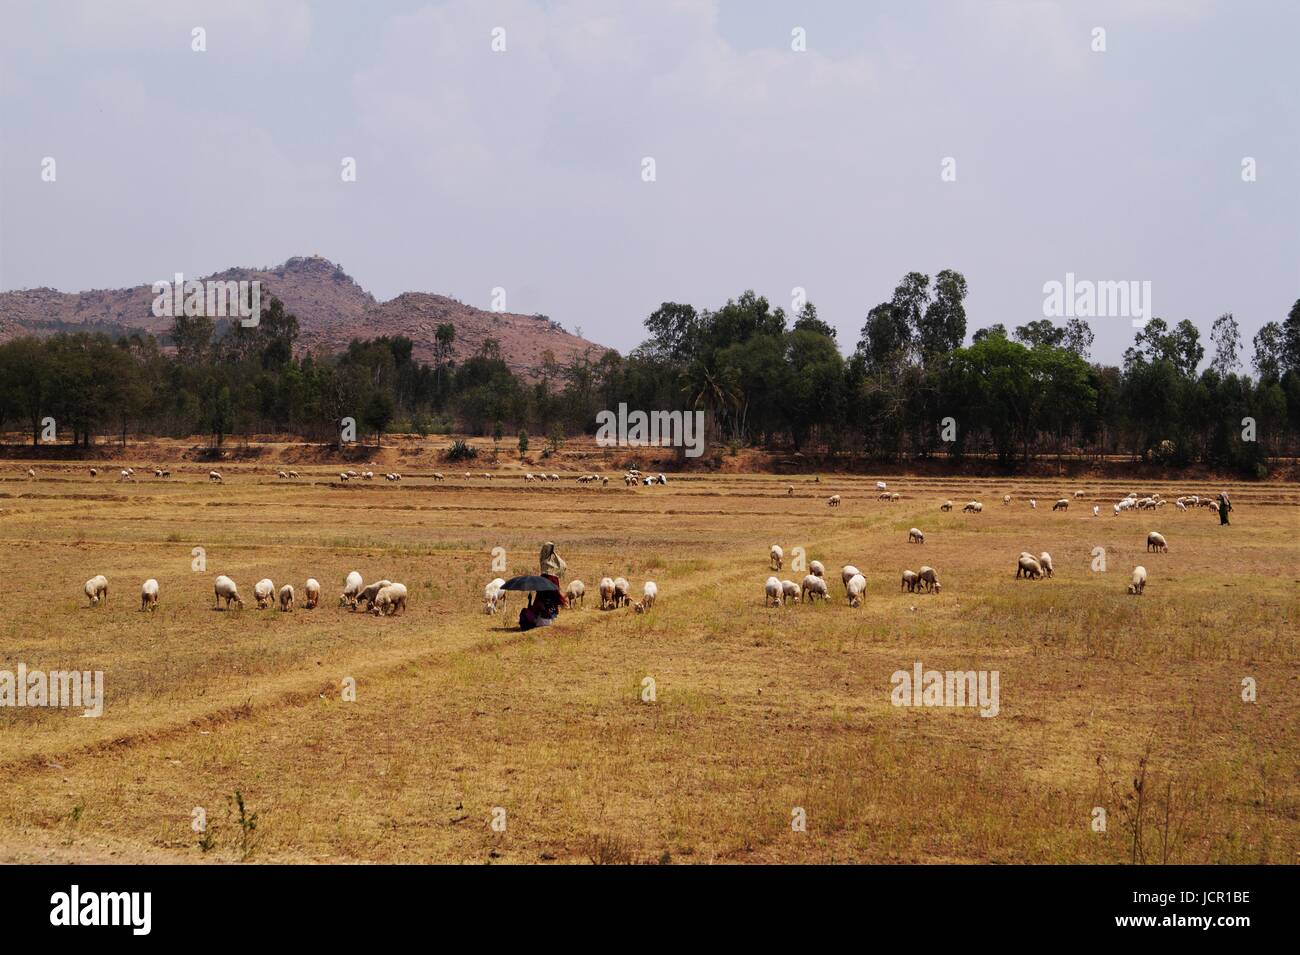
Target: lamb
814	587
607	593
649	594
1028	567
367	596
1045	561
847	573
915	536
389	600
909	580
928	579
224	587
214	476
262	592
833	501
772	592
493	596
577	593
286	598
1139	583
777	555
312	590
351	587
817	569
97	589
620	592
790	590
856	586
1156	542
1062	505
946	506
972	507
149	595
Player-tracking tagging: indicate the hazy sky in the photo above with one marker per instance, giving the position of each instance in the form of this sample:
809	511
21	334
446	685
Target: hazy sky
774	168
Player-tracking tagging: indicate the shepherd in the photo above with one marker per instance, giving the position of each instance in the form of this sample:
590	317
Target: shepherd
544	605
1225	506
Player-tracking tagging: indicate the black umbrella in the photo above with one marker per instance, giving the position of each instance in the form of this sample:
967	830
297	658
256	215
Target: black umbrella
529	582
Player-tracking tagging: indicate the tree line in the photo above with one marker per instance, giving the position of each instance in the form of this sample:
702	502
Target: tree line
909	389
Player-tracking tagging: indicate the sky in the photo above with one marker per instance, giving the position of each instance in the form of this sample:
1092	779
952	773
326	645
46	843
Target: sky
989	137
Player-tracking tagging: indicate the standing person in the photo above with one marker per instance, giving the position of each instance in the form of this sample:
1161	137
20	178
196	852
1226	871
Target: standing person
1225	506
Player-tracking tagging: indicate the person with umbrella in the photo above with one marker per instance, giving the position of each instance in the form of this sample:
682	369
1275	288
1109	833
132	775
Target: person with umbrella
547	598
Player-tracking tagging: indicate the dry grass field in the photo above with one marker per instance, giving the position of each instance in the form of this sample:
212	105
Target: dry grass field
757	711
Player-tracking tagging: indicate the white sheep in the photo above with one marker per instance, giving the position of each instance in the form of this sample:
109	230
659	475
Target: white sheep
1006	498
1139	583
847	573
607	593
772	592
1078	494
437	476
927	579
972	507
1096	510
946	506
856	586
351	587
1062	505
790	590
149	595
1156	542
286	598
369	593
649	594
493	596
895	497
390	599
223	588
577	593
880	485
1029	567
312	590
833	501
263	591
789	491
777	555
94	472
1045	561
1033	503
816	568
293	474
910	580
621	598
914	536
814	587
214	476
97	589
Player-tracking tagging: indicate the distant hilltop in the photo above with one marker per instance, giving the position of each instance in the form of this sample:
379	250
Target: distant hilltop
331	308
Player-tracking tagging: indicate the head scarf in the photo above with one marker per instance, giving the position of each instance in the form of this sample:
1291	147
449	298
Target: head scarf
551	562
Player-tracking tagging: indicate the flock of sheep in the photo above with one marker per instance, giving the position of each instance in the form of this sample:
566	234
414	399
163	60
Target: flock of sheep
383	598
615	592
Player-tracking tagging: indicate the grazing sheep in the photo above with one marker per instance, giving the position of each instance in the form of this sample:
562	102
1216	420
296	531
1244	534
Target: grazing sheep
31	472
286	598
263	590
972	507
777	555
856	586
1028	567
1156	542
493	596
284	475
621	598
1062	505
528	478
946	506
895	497
1078	494
293	474
910	581
649	594
914	536
149	595
312	590
883	496
224	588
1033	503
880	485
577	593
1181	506
1139	583
94	472
790	491
125	476
1096	510
847	573
368	594
97	589
1006	498
790	590
343	475
927	579
214	476
1045	561
816	568
833	501
772	592
437	476
389	600
351	587
607	593
814	587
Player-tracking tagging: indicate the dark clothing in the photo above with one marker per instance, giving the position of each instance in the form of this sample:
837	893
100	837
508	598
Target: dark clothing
543	607
1224	507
